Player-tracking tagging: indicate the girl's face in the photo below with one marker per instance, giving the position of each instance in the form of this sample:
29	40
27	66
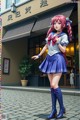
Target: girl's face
57	26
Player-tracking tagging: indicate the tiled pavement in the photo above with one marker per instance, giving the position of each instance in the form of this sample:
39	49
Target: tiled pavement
28	105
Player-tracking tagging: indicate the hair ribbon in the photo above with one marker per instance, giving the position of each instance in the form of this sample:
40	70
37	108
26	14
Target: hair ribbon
68	21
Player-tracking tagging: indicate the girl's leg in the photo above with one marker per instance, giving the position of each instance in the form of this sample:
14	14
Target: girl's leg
53	98
50	77
55	80
58	93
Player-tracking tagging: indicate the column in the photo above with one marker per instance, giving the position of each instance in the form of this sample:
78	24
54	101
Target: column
0	59
79	37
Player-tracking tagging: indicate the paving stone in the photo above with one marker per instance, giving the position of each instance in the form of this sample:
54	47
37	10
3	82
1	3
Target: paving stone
74	118
25	105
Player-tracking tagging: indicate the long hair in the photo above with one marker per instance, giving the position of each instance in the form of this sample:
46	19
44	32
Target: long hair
64	24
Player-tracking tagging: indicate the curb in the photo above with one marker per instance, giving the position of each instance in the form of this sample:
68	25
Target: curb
43	90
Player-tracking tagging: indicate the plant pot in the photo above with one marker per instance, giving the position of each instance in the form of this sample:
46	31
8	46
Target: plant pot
24	82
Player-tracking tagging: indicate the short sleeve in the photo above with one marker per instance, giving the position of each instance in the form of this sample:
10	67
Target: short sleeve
64	40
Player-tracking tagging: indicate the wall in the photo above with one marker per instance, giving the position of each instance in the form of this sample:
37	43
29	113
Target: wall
14	50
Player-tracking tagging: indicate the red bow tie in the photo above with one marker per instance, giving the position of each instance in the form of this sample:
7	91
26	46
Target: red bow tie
52	38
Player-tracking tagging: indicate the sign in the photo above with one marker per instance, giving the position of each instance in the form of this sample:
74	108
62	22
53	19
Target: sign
28	9
6	65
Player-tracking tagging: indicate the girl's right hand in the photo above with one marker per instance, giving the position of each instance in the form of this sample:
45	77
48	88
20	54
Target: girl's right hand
35	57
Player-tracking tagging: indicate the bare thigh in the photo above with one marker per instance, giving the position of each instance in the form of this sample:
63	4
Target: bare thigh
50	77
54	79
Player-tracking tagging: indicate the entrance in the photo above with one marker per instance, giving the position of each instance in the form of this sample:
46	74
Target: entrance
72	53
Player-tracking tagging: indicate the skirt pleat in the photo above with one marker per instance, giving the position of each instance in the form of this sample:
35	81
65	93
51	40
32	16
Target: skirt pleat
53	64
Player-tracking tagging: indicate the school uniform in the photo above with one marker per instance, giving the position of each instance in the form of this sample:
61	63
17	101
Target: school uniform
55	61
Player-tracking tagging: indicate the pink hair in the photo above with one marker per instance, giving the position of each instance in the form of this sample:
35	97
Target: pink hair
62	19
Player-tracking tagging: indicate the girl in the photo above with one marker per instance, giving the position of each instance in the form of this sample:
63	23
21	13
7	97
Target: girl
72	78
55	63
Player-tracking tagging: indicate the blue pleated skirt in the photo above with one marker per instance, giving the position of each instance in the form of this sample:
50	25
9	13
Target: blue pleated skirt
54	64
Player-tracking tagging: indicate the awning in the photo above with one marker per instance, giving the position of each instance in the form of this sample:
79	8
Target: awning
18	31
43	22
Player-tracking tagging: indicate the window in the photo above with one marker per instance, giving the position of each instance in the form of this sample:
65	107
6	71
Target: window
17	1
35	45
8	3
21	1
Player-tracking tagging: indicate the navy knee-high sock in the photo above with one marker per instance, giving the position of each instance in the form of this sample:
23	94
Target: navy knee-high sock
60	100
53	99
59	97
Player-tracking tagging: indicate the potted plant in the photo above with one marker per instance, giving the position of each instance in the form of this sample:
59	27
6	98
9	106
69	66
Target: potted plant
25	69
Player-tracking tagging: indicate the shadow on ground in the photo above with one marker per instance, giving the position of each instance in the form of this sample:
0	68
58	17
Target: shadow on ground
44	116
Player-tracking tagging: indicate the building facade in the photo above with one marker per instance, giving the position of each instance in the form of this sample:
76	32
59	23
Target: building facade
24	27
